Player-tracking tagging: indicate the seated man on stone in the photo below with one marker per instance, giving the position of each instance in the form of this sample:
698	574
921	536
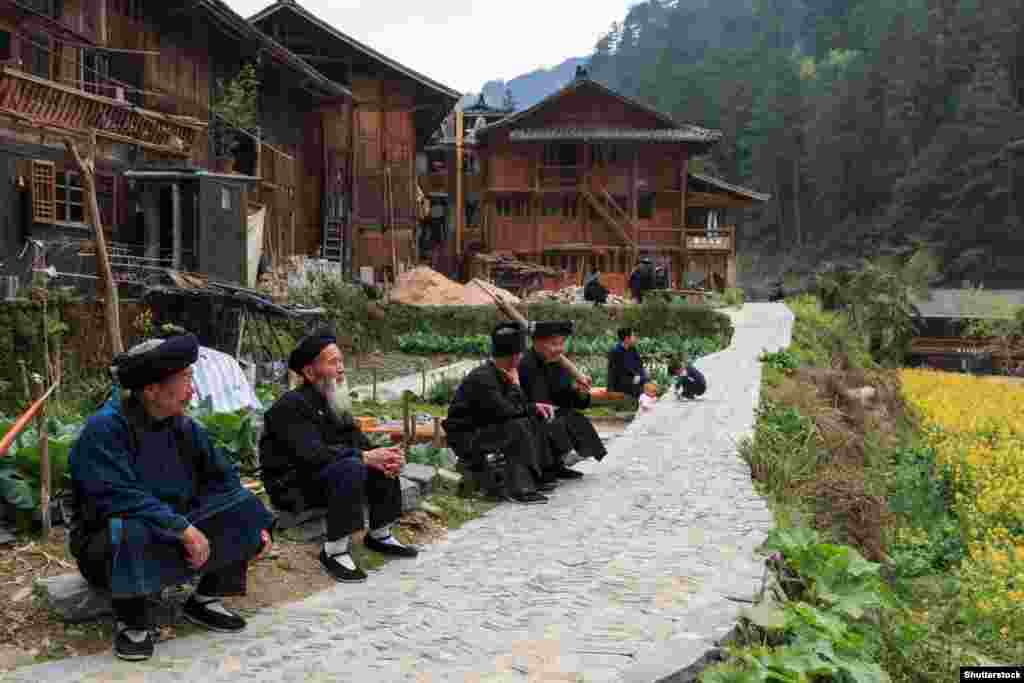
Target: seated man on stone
626	373
156	505
312	454
491	414
545	381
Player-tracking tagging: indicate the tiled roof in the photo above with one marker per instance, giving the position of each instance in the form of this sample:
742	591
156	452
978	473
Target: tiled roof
682	134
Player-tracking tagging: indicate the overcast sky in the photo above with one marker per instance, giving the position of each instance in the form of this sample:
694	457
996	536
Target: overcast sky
465	43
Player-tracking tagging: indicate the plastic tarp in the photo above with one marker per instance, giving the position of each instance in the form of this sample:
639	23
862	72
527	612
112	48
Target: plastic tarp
254	243
219	376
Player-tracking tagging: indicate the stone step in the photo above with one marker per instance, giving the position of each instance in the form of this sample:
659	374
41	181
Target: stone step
72	599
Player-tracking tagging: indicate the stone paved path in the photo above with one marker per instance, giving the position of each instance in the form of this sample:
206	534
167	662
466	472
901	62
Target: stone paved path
623	577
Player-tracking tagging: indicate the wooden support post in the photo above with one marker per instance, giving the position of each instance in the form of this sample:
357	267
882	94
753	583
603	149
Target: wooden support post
24	380
437	442
406	419
460	209
176	226
373	396
44	463
683	256
111	304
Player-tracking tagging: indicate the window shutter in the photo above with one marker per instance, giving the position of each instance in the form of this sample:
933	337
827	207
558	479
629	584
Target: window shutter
44	190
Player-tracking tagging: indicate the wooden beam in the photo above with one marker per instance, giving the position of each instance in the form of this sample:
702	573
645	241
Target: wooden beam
460	210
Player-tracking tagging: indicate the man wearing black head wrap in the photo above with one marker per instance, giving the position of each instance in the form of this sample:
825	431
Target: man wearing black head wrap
155	503
545	381
491	414
312	454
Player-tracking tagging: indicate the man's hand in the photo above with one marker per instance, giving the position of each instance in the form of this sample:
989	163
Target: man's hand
546	410
197	547
387	460
583	386
268	543
512	375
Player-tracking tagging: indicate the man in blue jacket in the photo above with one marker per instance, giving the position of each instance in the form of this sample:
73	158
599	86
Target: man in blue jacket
156	504
626	373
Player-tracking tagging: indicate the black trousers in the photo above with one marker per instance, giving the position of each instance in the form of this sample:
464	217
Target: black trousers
347	485
522	441
223	574
571	430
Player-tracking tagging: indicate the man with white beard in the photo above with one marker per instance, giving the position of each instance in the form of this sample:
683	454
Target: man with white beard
312	454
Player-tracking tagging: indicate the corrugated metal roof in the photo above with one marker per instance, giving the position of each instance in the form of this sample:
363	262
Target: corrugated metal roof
971	303
720	184
683	134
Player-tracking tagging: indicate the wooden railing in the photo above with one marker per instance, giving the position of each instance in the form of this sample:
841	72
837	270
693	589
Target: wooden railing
43	103
559	176
702	239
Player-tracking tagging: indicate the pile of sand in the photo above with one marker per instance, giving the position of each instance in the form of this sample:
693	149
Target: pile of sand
478	297
426	287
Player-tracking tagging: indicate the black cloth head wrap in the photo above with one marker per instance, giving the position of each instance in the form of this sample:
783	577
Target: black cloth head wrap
309	348
553	328
174	354
507	339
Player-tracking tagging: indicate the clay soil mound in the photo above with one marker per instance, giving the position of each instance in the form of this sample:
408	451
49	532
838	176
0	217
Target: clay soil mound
426	287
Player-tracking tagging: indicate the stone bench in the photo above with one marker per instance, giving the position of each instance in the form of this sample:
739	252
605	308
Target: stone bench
72	598
308	526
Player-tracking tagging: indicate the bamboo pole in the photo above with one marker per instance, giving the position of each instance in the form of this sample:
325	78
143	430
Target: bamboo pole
512	313
44	462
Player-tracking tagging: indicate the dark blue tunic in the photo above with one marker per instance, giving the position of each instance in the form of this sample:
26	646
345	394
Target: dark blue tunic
133	483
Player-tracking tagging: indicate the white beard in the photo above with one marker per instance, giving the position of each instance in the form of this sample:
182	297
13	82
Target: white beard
336	395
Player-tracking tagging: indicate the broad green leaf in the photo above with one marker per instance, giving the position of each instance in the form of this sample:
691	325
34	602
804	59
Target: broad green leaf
766	615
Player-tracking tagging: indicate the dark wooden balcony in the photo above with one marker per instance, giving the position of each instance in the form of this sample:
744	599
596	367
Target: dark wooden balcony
559	176
44	103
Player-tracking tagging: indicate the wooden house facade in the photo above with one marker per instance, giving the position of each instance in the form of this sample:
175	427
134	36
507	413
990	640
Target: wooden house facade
589	178
139	78
371	143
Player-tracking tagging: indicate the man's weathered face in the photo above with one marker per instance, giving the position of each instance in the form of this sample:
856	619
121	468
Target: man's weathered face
328	365
170	398
550	348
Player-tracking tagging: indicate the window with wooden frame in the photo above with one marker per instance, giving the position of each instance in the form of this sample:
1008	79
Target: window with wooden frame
43	175
70	199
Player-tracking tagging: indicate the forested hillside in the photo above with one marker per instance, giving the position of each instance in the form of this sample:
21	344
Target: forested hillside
875	124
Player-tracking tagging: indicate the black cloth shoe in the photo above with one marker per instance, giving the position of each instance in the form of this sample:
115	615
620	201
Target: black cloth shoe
200	614
529	498
547	486
566	473
388	549
132	649
340	572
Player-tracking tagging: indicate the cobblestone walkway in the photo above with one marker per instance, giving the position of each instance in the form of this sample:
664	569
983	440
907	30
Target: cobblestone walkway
625	576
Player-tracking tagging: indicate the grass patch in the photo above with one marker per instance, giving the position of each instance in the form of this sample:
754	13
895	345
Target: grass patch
457	510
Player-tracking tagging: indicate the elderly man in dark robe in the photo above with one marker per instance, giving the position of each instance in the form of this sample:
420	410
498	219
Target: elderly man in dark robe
313	454
491	414
156	505
626	373
545	381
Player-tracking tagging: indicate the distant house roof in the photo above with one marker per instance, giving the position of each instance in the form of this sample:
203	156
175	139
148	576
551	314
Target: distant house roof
235	24
683	134
971	303
299	10
719	184
687	132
